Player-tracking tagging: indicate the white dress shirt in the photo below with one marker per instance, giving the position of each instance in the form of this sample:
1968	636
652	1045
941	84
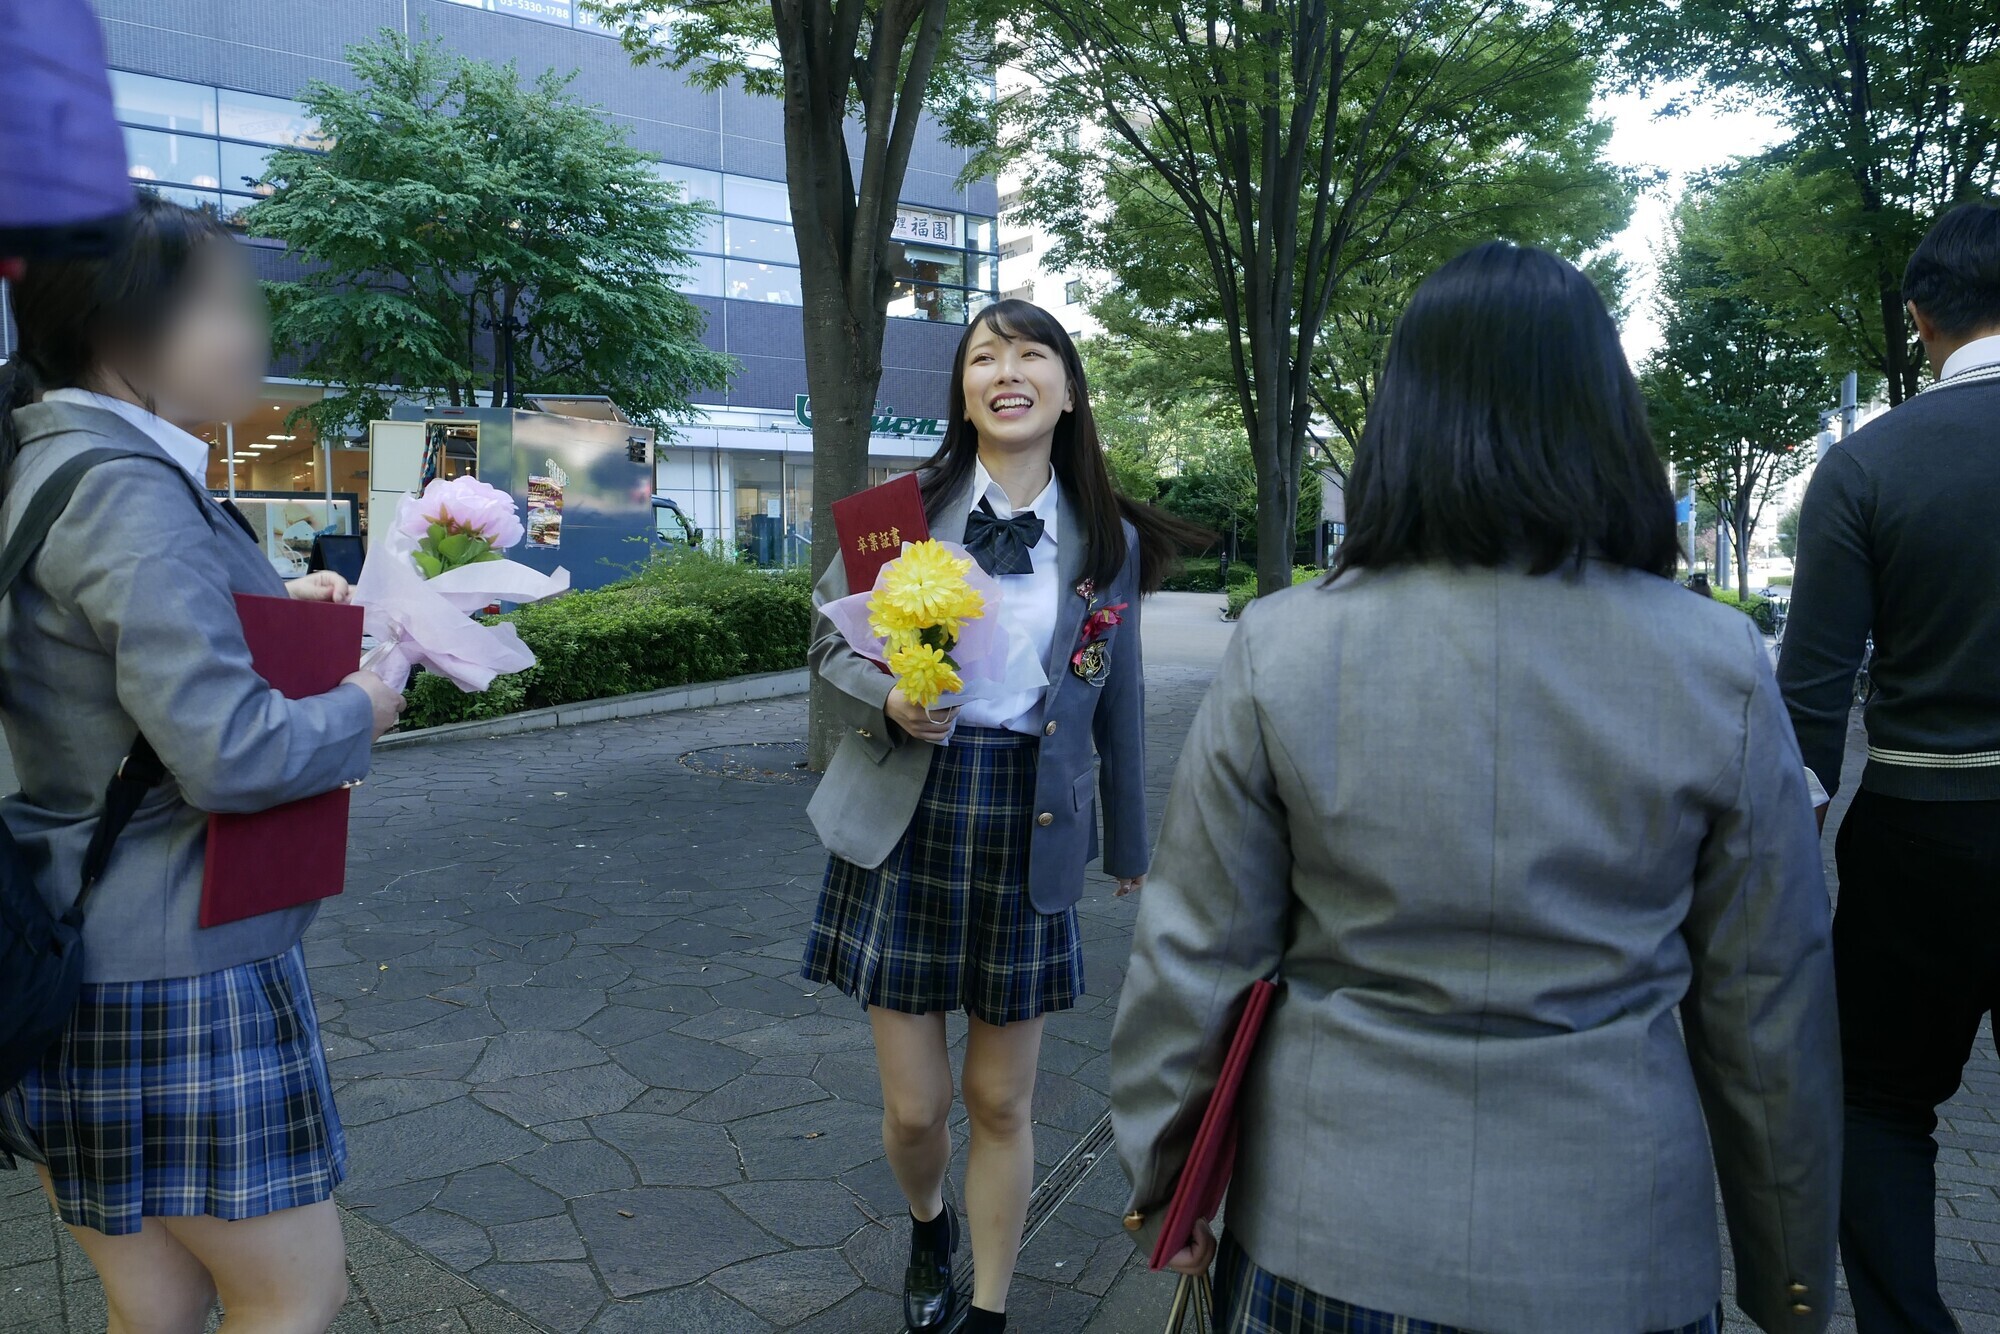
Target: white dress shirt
1027	606
183	448
1978	353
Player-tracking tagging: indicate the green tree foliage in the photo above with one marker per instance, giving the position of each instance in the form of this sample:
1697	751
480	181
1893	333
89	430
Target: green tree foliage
1788	533
1733	395
1256	154
856	79
454	199
1895	116
1163	395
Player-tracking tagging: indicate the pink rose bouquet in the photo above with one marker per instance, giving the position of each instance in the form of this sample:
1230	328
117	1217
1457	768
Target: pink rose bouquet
430	570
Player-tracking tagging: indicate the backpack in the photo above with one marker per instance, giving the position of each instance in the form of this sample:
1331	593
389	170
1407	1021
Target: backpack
41	954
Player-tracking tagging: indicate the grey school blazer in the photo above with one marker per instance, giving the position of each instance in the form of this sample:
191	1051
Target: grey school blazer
1497	832
865	802
127	622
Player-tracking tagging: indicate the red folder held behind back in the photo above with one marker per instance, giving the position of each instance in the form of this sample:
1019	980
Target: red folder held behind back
1205	1176
295	853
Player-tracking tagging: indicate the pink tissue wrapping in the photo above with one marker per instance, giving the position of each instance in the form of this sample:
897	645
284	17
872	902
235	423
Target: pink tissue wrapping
428	622
984	650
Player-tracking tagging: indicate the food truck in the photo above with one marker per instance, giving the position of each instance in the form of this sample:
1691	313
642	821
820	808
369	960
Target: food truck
580	471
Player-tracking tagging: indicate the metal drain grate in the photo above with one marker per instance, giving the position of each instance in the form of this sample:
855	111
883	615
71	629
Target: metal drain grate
1050	1195
755	762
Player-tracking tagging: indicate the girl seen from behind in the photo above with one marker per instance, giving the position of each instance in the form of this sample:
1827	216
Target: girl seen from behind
1499	803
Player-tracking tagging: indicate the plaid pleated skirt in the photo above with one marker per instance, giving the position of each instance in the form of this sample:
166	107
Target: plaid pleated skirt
945	923
1252	1300
184	1097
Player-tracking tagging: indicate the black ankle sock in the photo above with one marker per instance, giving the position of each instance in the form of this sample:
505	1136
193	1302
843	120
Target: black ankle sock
934	1235
979	1320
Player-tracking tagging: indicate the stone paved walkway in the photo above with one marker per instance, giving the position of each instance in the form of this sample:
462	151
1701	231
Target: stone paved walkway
578	1065
586	1090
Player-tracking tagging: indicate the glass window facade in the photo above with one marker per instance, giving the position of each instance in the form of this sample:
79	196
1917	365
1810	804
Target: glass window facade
946	269
205	147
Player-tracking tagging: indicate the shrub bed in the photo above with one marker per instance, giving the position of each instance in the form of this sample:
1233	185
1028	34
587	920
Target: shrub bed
1241	596
676	622
1203	574
1757	609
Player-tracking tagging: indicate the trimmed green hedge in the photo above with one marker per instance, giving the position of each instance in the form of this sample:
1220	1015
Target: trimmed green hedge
1241	596
1202	574
1757	609
677	622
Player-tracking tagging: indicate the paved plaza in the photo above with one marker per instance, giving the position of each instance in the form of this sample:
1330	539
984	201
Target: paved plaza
585	1088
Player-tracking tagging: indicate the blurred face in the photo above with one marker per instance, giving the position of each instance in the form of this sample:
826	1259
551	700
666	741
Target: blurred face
1015	390
208	364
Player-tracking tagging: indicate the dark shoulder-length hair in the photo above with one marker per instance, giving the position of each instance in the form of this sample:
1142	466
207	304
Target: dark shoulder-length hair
1508	427
73	314
1078	458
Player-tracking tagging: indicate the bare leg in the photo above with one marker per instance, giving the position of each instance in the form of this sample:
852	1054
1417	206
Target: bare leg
915	1066
152	1284
284	1273
1000	1063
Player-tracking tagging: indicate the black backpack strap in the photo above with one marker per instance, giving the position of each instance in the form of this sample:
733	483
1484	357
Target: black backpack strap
141	769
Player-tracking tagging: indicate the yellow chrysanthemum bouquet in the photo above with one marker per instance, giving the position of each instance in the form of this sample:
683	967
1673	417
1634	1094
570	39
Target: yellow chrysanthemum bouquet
920	605
931	622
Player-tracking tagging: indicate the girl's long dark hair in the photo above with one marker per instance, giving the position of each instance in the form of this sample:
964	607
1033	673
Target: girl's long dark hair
71	313
1078	458
1508	427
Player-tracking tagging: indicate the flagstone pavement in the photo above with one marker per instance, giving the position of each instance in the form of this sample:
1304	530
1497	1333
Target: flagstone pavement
585	1088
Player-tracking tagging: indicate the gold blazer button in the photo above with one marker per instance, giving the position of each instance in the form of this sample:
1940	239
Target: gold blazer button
1802	1309
1050	730
1045	819
1134	1221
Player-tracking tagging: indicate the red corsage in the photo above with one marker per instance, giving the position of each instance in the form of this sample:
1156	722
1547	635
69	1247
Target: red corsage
1091	662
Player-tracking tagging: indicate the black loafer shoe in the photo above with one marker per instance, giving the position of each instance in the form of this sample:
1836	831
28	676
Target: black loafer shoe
929	1298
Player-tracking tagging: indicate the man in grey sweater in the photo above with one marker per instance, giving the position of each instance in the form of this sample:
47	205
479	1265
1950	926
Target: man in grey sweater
1900	535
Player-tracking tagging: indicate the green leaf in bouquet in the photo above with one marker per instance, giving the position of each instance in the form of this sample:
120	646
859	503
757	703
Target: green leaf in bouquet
427	564
491	555
456	549
437	533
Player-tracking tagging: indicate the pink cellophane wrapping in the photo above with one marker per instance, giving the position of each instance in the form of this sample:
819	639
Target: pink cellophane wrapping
993	661
428	622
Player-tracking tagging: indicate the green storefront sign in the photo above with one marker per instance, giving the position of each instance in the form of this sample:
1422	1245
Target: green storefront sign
886	421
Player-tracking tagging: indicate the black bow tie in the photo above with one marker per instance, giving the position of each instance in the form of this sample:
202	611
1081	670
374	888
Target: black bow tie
1002	546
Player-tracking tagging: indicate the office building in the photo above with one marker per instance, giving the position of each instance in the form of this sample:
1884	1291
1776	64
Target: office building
206	88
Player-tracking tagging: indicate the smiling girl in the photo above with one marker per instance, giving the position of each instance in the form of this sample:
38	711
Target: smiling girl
959	838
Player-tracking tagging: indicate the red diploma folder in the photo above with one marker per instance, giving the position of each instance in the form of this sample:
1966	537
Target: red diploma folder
1204	1178
873	525
296	853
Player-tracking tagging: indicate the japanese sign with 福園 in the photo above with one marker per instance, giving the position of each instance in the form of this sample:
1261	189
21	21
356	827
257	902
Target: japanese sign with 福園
922	225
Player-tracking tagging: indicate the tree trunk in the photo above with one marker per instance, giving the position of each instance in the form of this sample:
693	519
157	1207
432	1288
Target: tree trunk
1277	506
1742	531
843	372
1898	366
